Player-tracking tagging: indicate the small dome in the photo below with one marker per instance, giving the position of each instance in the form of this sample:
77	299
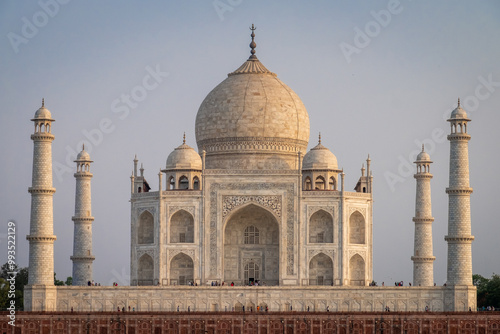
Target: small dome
42	112
184	157
458	112
319	157
423	156
83	156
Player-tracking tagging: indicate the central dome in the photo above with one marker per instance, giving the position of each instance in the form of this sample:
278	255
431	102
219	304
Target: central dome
252	120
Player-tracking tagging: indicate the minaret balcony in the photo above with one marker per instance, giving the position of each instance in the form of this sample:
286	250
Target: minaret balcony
37	190
459	191
460	239
459	136
42	136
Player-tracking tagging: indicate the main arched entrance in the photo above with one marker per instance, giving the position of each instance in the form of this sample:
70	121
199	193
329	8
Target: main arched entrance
251	247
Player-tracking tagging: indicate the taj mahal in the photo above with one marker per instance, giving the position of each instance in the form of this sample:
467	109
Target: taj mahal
251	218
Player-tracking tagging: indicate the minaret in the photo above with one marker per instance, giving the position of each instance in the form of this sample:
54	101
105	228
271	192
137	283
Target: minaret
41	237
82	241
423	260
459	236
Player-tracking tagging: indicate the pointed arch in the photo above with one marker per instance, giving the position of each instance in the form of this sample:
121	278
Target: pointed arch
321	227
357	229
145	230
264	252
321	270
357	270
319	184
182	269
196	183
181	227
332	184
171	183
145	272
307	183
183	183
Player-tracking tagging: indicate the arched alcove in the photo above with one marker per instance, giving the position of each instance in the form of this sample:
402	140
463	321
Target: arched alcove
251	240
145	230
181	269
321	227
321	270
145	272
357	270
319	184
182	227
357	229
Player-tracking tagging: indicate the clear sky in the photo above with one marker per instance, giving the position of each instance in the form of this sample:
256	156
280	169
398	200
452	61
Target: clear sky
377	77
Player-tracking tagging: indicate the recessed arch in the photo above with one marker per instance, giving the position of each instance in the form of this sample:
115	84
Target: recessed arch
321	270
264	254
196	183
145	270
145	230
183	183
321	227
357	229
181	269
171	183
332	184
182	227
307	183
319	183
357	270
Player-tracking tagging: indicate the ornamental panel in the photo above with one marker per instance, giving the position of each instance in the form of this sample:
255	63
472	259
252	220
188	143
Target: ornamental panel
229	203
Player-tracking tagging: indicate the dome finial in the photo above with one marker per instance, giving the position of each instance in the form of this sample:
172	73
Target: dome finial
83	147
43	102
253	45
184	138
319	138
423	144
458	102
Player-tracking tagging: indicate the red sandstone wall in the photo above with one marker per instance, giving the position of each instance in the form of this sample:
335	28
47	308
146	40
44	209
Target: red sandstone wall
251	322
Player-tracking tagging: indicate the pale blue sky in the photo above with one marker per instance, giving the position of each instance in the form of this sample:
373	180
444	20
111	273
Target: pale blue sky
388	98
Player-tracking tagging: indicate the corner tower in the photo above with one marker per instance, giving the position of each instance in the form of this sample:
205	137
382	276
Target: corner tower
41	237
82	243
459	236
423	260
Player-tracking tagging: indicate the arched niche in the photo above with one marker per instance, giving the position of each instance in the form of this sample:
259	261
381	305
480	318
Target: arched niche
242	246
321	270
182	227
145	230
